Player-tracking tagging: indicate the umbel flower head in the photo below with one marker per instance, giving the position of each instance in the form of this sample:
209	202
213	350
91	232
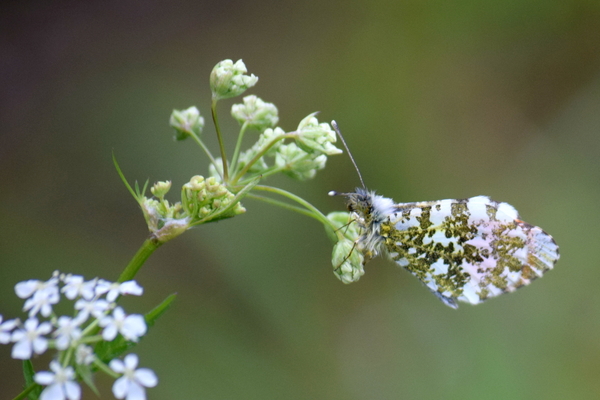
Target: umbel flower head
255	113
76	340
229	80
186	123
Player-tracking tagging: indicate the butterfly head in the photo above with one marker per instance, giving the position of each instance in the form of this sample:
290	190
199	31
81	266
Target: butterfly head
359	203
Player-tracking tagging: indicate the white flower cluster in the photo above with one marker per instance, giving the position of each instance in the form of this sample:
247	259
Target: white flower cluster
301	158
97	318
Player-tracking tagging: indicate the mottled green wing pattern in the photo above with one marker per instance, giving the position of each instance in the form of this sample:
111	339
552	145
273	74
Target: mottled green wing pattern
467	250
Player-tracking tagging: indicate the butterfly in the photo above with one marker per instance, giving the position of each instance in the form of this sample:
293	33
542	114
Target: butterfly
465	250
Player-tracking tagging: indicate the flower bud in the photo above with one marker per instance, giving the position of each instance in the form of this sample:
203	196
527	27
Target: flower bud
315	137
256	113
347	261
297	163
186	122
229	80
160	189
344	223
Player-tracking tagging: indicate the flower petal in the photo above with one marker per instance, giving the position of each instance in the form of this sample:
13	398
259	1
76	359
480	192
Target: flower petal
53	392
131	361
44	378
120	387
72	390
136	392
22	350
146	377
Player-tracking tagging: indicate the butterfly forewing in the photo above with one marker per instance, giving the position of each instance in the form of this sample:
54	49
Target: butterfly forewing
467	250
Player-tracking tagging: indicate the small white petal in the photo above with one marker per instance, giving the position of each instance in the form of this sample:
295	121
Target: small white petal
120	387
44	378
131	287
146	377
40	345
72	390
136	392
117	365
131	361
25	289
22	350
53	392
109	333
133	327
44	328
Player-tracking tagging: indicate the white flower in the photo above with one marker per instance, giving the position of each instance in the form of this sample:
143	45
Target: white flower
95	307
229	80
84	355
132	383
5	328
26	289
130	326
67	331
30	339
114	290
42	299
75	286
61	384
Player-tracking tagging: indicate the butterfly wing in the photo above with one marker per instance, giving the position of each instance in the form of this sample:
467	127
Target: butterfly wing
467	250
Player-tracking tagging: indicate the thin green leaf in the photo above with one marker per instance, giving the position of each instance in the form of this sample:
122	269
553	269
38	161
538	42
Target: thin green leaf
28	373
85	373
136	197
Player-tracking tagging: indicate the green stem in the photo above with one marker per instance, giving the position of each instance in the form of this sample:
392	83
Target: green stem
314	211
261	153
25	392
284	205
238	145
213	109
105	368
203	146
139	258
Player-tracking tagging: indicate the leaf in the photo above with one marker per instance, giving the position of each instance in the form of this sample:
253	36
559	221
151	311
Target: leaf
85	372
135	195
28	373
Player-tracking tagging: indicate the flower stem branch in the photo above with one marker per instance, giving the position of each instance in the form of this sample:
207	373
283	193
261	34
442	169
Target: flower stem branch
238	145
314	212
213	109
203	146
26	391
139	258
261	153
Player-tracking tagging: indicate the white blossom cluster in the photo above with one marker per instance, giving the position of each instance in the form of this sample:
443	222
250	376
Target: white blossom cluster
96	318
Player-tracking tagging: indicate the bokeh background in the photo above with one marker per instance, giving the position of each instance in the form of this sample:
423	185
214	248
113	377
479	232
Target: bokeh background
437	99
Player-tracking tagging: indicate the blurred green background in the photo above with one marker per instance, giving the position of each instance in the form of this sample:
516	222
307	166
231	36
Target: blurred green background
437	100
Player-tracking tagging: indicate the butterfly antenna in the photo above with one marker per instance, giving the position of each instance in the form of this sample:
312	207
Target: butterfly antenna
337	130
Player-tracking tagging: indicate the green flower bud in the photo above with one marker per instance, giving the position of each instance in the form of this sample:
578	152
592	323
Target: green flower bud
347	261
229	80
344	223
160	189
186	122
315	137
297	163
258	114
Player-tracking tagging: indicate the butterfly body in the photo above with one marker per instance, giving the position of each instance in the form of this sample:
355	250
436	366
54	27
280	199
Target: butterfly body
467	250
